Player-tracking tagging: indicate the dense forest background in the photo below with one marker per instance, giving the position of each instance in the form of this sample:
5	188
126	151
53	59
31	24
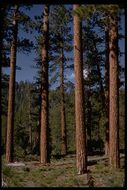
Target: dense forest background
26	120
75	104
27	94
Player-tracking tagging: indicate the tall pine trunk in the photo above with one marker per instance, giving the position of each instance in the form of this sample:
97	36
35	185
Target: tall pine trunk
63	119
11	97
44	158
81	154
107	91
114	157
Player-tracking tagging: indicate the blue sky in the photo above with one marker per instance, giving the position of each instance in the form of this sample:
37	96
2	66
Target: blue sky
26	62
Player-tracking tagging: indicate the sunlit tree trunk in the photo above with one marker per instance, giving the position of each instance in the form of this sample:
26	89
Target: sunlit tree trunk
114	157
81	154
11	97
44	158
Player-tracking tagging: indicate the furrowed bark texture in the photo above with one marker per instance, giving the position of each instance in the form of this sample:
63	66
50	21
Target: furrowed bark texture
44	91
11	96
81	156
114	157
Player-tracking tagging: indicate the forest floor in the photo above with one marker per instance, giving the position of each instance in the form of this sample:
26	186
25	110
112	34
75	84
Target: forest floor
62	173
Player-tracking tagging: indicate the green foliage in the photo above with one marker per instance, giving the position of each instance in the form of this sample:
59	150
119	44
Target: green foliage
4	101
24	23
4	124
122	118
87	11
27	100
7	171
70	120
27	114
62	173
4	93
54	118
60	40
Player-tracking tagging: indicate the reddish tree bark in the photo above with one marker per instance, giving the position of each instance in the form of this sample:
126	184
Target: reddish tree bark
44	91
114	157
11	96
81	154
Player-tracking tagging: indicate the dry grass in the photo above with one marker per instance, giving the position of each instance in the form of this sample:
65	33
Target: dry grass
62	173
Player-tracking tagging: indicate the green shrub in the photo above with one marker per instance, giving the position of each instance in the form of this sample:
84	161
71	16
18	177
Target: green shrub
7	171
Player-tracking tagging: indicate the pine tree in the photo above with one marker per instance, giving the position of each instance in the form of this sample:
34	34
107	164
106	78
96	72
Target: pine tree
81	154
114	156
106	12
23	103
44	156
61	45
10	119
24	44
93	81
